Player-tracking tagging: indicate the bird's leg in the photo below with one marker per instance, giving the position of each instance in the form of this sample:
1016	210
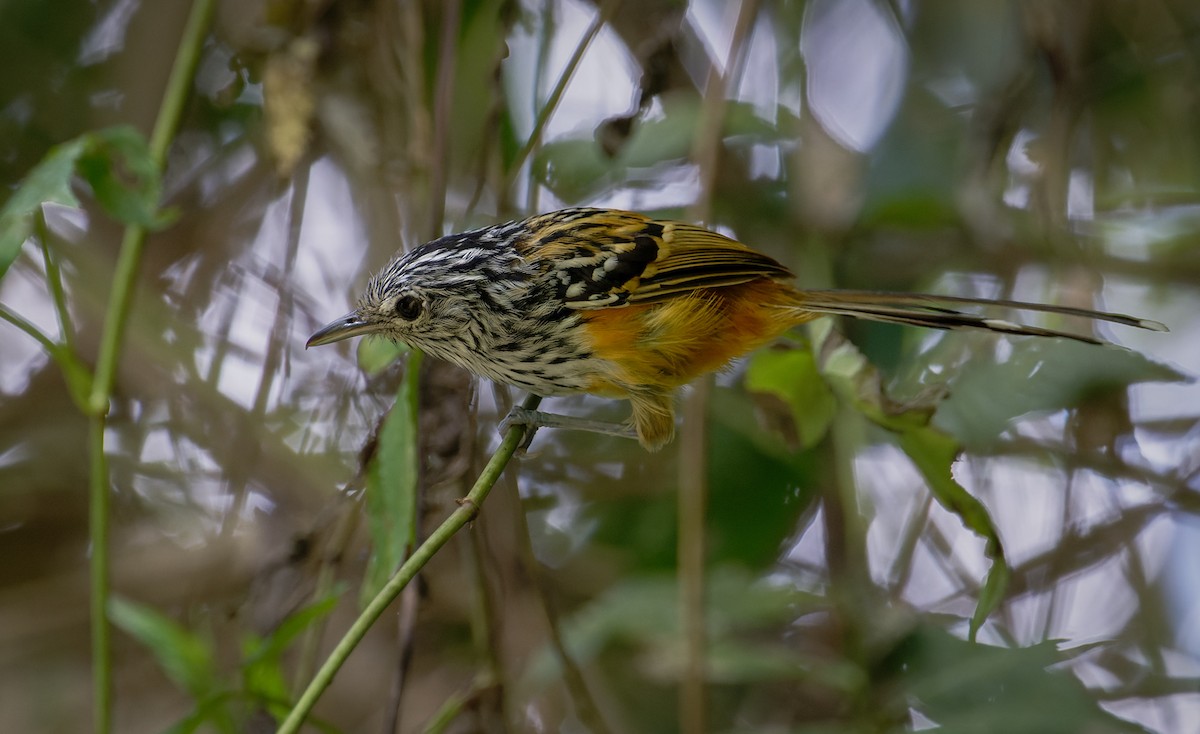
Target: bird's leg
535	419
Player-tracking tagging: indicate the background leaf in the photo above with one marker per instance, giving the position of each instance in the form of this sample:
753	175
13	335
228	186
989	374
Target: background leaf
965	687
391	499
185	657
793	377
116	163
1041	375
48	182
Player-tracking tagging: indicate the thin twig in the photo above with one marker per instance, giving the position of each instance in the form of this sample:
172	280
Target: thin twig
484	632
467	510
692	551
443	108
539	77
693	476
535	137
331	554
406	625
276	349
585	704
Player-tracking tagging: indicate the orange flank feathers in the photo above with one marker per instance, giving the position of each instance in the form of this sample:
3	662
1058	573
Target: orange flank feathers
652	349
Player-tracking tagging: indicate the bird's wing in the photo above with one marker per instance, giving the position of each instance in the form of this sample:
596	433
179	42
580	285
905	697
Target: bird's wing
604	258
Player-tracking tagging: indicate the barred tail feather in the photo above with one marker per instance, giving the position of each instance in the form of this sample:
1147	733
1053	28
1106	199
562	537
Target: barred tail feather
936	312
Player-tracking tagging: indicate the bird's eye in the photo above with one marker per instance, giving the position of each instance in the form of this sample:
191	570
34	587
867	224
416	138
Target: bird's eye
408	307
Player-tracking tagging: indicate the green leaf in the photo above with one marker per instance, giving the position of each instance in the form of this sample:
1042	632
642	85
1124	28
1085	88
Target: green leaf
264	680
793	377
186	658
858	383
48	182
213	710
376	353
933	453
759	487
576	167
573	168
117	163
1041	375
671	137
274	644
392	486
968	688
263	674
644	612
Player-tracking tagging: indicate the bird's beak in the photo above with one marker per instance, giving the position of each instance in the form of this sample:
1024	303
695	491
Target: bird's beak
341	328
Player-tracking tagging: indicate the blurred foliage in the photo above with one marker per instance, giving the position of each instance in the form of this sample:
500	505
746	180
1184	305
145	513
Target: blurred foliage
118	169
391	491
190	661
1044	376
977	688
1043	151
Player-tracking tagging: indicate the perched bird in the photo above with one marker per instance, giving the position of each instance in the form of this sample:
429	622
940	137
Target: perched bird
620	305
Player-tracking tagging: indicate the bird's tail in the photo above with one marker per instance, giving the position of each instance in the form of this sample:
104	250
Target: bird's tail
940	312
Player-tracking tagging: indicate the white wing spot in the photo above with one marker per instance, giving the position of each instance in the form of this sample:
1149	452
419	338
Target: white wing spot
1002	325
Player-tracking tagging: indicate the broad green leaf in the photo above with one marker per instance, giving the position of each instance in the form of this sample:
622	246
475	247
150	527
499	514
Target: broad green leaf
965	687
118	165
1041	375
392	486
759	487
376	353
186	658
672	136
644	612
858	382
48	182
793	377
576	167
573	168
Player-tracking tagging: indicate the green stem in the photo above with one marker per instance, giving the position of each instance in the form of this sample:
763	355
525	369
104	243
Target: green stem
54	277
468	508
29	329
124	281
98	528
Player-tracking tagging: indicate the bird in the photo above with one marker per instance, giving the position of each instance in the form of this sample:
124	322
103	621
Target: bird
622	305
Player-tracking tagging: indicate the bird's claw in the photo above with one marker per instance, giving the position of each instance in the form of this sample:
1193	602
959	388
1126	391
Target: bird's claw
519	416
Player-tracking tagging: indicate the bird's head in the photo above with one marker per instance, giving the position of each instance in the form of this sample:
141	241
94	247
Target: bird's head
425	298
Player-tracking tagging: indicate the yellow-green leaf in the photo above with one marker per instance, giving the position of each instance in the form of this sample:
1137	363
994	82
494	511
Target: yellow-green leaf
792	376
